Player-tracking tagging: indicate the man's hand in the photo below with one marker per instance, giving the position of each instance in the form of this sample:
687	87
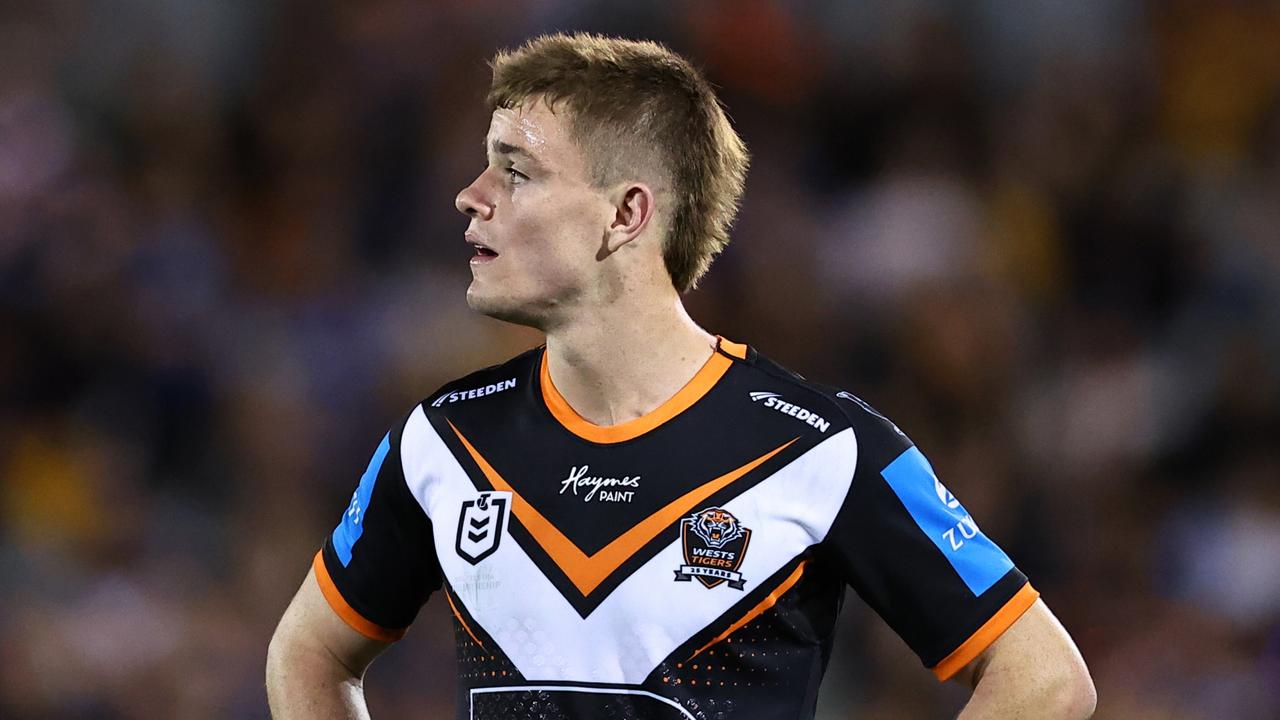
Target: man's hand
316	663
1031	671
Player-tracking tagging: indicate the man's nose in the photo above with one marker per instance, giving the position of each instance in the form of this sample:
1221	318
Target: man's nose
472	203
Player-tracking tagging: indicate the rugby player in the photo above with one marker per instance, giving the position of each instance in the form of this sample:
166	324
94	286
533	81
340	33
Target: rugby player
640	518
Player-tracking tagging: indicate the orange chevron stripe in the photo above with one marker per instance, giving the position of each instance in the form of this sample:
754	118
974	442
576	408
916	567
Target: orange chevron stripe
759	609
586	572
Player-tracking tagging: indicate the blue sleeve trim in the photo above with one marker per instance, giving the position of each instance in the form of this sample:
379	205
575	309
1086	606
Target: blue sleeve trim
941	517
352	525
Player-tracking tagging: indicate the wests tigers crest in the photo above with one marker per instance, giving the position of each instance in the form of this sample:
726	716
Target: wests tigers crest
714	545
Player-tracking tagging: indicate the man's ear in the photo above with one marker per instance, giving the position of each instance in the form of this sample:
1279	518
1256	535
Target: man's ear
633	210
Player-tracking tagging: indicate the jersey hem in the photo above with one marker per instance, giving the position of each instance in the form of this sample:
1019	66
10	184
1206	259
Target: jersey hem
343	609
987	634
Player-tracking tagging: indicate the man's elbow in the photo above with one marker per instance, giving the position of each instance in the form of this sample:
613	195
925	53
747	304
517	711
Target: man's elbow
1073	695
289	658
278	651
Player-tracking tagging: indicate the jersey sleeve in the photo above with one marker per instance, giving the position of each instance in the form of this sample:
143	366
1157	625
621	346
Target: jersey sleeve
916	556
379	565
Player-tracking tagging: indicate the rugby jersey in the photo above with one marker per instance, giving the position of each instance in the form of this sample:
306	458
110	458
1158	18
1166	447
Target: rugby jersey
690	563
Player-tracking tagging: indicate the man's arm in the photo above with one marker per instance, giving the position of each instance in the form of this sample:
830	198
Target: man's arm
1033	670
316	663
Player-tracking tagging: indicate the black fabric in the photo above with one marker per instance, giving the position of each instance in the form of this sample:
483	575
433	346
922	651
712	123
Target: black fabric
769	668
878	548
393	568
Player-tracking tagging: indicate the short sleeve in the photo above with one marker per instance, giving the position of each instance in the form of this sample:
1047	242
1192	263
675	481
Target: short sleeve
379	565
916	556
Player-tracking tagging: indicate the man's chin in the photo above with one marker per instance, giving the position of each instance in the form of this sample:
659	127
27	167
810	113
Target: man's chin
504	309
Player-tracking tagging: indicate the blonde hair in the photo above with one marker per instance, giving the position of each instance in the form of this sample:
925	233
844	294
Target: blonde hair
636	106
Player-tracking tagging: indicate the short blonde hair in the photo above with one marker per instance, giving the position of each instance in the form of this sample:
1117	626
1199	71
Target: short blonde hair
636	106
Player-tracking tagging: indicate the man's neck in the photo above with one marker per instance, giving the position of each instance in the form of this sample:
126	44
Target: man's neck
623	363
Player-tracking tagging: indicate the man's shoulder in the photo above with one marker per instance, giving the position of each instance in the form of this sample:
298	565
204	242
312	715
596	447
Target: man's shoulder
869	424
509	379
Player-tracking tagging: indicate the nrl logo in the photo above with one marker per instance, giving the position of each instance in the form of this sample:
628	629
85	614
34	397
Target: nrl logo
714	545
480	525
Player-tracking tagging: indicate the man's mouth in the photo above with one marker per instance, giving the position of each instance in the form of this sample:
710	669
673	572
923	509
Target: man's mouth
483	253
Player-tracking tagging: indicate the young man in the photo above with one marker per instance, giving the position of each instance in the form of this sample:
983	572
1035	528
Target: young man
642	519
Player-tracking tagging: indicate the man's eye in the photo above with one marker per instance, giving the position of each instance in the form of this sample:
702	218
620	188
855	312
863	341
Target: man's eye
516	175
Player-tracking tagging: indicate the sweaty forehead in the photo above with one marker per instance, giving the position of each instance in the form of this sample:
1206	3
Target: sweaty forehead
534	128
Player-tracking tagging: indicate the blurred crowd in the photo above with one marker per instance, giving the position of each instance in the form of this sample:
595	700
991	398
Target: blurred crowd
1043	237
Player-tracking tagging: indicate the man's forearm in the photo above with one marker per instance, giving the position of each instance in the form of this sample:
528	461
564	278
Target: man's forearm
310	683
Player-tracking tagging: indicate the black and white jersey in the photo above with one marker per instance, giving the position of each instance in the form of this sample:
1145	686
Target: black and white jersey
687	564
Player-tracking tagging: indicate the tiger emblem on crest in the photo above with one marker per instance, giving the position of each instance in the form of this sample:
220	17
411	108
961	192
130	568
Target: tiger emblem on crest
717	527
715	543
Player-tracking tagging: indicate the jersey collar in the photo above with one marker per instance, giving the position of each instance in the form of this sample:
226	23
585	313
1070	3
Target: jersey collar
706	378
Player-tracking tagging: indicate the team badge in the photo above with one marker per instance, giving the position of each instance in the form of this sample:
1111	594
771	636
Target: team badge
480	525
714	545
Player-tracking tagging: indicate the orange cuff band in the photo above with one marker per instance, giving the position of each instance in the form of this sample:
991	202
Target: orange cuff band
987	634
348	614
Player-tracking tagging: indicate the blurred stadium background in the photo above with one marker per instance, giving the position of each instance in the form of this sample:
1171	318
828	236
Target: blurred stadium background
1043	236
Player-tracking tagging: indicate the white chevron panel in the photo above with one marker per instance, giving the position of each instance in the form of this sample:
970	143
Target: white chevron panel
650	614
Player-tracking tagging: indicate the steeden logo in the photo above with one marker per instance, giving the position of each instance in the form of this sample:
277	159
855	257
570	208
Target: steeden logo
459	395
774	401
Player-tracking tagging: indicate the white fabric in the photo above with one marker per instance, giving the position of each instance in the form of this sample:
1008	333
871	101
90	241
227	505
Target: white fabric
649	614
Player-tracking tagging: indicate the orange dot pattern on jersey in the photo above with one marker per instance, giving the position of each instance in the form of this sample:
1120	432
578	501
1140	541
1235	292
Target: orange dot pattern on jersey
753	656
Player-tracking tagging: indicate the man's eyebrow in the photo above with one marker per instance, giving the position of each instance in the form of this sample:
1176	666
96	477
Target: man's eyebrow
501	148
